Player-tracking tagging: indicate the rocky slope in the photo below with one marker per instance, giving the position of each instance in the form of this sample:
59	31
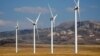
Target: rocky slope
88	33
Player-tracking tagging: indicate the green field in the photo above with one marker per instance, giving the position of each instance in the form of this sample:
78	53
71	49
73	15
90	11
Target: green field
44	50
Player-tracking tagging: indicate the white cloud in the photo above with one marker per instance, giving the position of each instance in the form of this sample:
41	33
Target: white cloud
32	10
5	23
2	23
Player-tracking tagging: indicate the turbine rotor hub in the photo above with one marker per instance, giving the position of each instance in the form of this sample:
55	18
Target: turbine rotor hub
51	18
76	8
34	23
16	27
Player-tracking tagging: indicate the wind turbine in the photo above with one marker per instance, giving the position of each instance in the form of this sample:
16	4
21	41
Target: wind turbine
52	19
34	28
77	15
17	26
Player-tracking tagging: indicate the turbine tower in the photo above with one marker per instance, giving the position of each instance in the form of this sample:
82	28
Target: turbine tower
52	19
77	15
17	26
34	28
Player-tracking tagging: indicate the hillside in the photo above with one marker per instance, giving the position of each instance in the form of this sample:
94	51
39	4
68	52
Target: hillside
88	33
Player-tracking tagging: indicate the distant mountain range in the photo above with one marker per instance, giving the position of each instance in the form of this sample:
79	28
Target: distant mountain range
88	33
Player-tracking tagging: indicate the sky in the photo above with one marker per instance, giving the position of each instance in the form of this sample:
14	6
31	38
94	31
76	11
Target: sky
17	10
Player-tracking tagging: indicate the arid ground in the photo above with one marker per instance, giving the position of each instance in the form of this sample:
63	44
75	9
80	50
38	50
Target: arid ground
44	50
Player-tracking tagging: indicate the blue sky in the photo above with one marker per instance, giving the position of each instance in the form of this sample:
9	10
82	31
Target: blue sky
13	10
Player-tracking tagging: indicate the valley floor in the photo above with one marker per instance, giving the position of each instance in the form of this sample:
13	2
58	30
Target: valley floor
44	50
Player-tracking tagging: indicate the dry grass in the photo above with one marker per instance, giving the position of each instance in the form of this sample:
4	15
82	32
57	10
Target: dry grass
44	50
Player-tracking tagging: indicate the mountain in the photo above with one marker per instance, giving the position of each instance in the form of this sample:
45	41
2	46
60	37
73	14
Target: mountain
88	33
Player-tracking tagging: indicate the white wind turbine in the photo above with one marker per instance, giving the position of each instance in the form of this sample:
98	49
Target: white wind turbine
52	19
34	28
77	15
17	26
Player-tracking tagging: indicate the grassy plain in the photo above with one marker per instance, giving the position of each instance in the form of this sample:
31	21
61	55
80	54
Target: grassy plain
44	50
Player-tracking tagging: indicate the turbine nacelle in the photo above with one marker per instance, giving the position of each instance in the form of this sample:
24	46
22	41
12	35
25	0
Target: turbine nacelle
53	18
34	23
76	8
17	25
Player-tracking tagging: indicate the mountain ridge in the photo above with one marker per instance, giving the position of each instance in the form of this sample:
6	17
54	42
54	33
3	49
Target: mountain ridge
88	33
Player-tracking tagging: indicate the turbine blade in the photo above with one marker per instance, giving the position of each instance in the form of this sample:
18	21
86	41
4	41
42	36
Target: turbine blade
37	32
55	17
17	25
54	20
38	18
78	4
29	20
50	10
75	2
